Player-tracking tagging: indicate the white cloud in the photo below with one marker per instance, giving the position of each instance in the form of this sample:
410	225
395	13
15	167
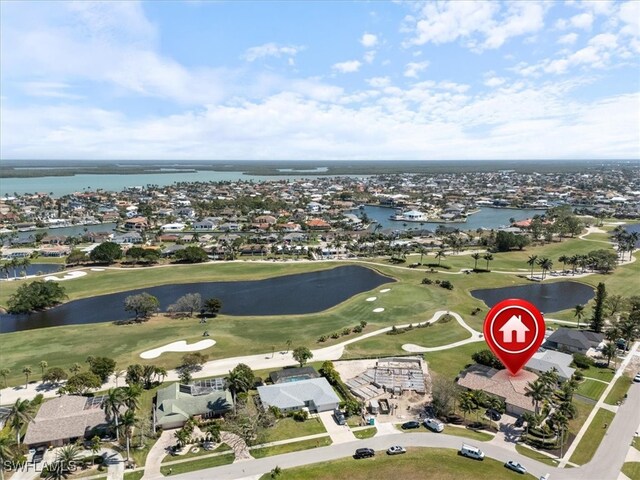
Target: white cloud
480	24
369	40
49	89
582	21
419	122
349	66
369	56
494	81
271	50
412	69
568	39
379	82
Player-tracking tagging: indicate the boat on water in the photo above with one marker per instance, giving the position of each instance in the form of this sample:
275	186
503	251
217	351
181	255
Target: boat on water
409	216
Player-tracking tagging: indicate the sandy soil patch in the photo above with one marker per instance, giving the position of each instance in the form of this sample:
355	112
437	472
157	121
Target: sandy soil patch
67	276
378	310
179	346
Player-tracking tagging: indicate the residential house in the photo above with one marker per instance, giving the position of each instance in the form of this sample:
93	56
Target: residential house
64	420
547	360
571	340
136	223
500	383
130	237
315	394
178	403
318	224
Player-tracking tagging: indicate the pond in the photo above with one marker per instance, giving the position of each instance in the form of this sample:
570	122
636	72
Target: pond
548	297
286	295
33	269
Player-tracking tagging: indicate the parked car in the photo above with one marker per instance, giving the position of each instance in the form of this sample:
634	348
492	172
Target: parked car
339	417
209	446
637	377
493	414
364	453
515	466
434	424
396	450
471	452
410	425
519	422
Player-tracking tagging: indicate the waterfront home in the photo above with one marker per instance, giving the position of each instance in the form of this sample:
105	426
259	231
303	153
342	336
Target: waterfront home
572	341
318	224
410	216
130	237
136	223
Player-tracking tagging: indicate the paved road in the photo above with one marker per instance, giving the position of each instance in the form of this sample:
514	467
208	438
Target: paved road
605	465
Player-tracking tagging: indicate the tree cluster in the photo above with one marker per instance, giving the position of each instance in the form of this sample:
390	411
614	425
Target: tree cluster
36	295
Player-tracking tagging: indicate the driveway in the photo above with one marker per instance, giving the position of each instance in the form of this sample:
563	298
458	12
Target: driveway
338	433
156	454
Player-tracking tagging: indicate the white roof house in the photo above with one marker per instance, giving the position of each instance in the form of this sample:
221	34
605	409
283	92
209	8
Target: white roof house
316	394
548	360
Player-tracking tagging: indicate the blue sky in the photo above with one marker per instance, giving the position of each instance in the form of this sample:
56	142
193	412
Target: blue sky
320	80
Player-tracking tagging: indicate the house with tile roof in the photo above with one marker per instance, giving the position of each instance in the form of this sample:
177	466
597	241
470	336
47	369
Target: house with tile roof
66	419
500	383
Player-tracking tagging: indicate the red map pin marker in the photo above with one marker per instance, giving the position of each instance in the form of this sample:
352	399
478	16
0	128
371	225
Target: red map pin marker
514	330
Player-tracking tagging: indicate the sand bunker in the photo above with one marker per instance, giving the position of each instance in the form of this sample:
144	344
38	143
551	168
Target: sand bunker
179	346
97	269
378	310
385	290
372	299
67	276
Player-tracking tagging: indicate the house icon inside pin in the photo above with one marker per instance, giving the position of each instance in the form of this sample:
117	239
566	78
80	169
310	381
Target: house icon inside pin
514	324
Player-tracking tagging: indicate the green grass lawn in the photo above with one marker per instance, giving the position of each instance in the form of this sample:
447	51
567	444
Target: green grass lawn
137	475
449	363
619	390
592	437
416	464
365	433
291	447
604	374
289	428
477	435
540	457
632	470
198	464
591	388
431	336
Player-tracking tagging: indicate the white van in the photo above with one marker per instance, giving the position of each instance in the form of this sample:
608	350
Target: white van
471	452
434	424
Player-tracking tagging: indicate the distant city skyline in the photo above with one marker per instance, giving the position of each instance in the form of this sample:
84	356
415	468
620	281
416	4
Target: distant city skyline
320	80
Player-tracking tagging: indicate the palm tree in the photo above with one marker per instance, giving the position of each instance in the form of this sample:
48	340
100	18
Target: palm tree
43	365
289	343
564	259
578	312
609	351
182	436
568	409
532	261
131	396
67	456
4	373
213	432
6	452
127	422
537	390
237	382
440	254
75	368
466	404
118	374
476	257
111	404
479	398
161	372
20	414
27	371
546	264
488	257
